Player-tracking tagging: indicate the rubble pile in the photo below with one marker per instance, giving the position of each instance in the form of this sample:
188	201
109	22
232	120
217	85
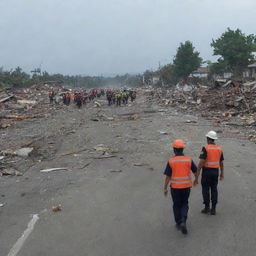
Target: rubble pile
233	103
17	104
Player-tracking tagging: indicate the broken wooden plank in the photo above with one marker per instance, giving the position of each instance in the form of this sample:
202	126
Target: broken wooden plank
6	98
74	152
103	157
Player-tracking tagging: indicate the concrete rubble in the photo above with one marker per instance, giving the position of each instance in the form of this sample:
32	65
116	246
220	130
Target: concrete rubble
56	208
18	104
231	103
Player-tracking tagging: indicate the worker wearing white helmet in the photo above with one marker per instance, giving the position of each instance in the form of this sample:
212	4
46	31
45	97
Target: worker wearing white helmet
211	160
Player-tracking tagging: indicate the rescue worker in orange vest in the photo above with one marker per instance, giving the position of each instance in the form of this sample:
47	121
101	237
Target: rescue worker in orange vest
211	160
178	174
51	96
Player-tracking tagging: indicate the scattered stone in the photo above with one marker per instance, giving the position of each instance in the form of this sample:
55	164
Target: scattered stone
4	126
24	152
139	164
56	208
190	121
7	173
251	121
97	104
116	171
104	148
133	117
163	132
17	173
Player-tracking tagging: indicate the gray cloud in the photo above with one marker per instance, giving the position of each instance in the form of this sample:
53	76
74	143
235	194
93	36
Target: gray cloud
112	36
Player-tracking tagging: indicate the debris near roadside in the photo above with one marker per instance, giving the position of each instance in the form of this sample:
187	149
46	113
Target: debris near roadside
18	104
163	132
56	208
104	156
139	164
129	116
54	169
10	173
133	117
233	96
106	149
116	171
229	102
15	117
23	152
76	151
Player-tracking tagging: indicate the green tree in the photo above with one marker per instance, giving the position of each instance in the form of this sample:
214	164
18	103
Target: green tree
186	60
18	77
236	51
167	74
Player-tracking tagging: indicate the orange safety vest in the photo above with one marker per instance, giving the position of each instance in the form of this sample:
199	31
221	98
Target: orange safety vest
181	172
213	156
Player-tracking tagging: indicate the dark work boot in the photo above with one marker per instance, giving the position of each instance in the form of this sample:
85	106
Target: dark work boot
183	228
213	210
178	226
206	210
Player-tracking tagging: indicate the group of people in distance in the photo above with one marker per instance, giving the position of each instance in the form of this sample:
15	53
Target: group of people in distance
81	97
118	97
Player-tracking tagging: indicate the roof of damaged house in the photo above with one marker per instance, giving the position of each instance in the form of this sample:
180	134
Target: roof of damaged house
201	70
252	65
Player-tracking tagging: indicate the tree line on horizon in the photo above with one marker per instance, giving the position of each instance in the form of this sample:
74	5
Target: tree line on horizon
234	48
19	78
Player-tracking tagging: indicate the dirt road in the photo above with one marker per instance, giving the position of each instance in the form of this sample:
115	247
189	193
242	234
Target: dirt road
112	203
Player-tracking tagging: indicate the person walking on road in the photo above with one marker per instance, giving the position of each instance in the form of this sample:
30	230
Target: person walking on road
211	160
178	174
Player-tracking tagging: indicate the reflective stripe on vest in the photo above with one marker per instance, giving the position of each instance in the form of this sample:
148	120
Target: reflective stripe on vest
213	156
216	148
181	182
211	163
181	160
176	180
181	178
181	171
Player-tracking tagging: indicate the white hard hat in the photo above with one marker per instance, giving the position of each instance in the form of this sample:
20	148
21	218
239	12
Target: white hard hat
212	135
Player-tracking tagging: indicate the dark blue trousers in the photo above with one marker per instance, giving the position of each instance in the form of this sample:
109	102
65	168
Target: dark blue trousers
209	186
180	204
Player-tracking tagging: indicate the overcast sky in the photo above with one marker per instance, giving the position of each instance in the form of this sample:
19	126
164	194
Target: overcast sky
112	36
